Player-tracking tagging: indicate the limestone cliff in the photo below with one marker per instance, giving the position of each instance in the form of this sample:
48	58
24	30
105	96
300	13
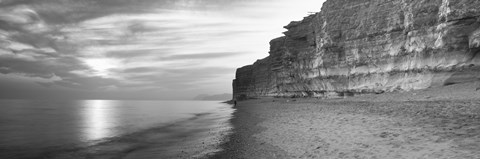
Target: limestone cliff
369	46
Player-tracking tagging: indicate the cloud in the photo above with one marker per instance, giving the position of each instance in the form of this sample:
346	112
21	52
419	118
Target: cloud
129	54
200	73
140	70
175	78
201	56
20	15
71	11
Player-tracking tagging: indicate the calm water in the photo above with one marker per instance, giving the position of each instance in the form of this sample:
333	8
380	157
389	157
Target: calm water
111	129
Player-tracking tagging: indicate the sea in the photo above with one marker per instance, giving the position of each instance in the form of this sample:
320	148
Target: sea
112	129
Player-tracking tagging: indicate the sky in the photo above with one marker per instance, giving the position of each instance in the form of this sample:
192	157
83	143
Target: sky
135	49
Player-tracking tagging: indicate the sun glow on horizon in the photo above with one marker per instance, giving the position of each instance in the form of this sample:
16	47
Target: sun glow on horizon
102	66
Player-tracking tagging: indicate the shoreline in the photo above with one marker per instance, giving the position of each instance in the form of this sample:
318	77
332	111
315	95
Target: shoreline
241	142
199	136
441	122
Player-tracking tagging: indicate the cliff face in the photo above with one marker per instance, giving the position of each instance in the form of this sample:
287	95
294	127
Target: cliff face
369	46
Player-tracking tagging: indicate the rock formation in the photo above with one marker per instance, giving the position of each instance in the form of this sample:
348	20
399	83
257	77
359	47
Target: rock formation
369	46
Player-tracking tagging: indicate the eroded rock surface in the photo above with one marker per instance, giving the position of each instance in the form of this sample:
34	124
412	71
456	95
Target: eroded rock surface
369	46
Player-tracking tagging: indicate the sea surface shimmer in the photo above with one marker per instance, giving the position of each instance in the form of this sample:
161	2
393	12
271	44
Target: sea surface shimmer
112	129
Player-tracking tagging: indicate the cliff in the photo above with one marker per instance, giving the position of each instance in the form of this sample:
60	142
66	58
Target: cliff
369	46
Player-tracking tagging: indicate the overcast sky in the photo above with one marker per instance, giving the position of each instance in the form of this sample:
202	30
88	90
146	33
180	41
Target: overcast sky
135	49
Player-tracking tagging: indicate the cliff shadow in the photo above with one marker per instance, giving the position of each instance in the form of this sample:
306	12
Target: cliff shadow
471	75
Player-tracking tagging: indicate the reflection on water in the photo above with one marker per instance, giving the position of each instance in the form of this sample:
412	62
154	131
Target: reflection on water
97	117
31	128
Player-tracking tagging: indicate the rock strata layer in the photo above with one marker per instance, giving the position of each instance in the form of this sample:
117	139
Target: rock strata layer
369	46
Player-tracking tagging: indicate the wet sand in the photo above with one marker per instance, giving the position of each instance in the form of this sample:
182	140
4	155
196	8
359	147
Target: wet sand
435	123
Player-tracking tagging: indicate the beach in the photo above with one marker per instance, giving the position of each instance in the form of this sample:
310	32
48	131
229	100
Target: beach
442	122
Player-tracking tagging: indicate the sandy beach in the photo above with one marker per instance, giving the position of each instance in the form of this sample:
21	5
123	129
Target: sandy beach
441	122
